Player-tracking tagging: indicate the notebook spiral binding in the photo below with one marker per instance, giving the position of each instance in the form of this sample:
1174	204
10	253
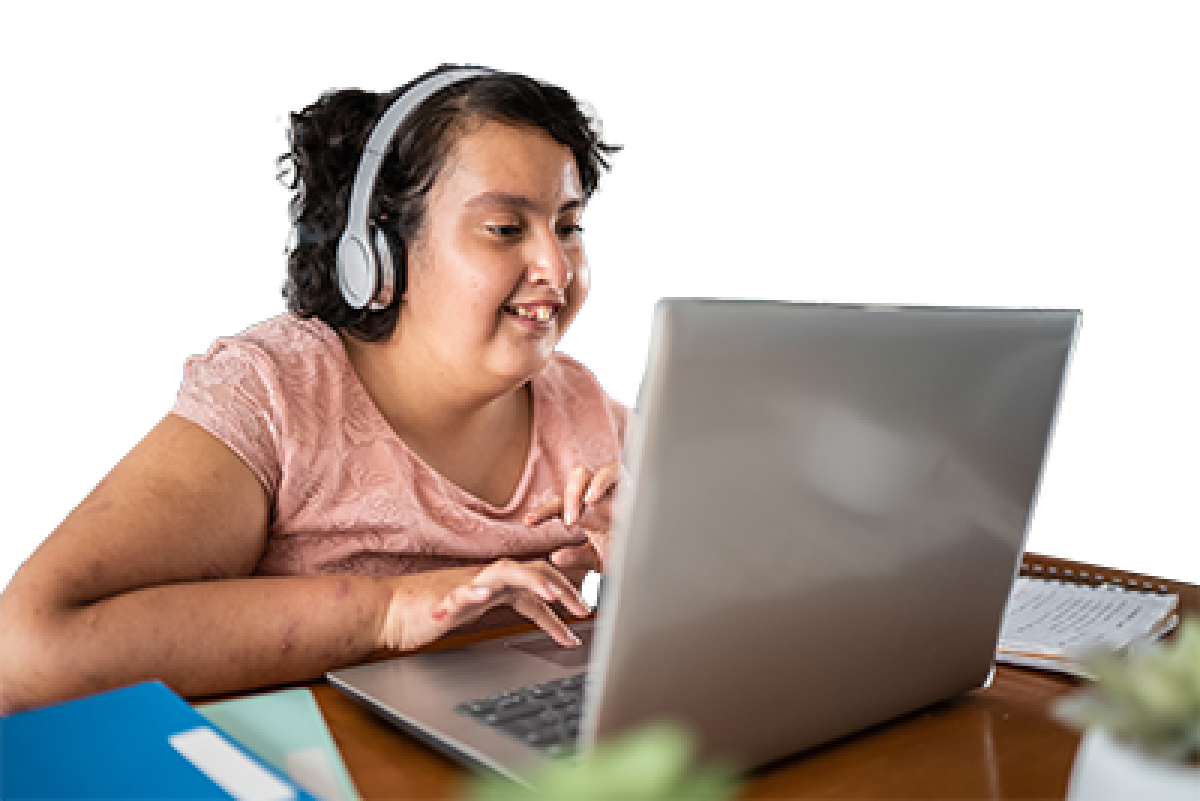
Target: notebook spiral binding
1113	579
1032	568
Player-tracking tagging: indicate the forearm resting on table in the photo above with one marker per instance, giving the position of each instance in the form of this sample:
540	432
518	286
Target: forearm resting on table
200	638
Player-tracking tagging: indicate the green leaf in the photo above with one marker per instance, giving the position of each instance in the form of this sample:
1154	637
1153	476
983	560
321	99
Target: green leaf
1187	655
1149	697
649	762
1154	689
653	763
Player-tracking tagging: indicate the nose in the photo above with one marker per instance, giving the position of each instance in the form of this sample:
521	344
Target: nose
549	263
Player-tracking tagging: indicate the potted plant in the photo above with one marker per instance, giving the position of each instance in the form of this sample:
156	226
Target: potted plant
653	763
1141	722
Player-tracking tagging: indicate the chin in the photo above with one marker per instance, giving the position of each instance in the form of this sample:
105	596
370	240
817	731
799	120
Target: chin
518	370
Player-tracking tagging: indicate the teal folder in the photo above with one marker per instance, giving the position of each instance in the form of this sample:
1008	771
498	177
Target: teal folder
140	741
286	730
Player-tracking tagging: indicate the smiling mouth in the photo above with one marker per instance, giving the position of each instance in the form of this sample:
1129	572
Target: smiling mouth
534	312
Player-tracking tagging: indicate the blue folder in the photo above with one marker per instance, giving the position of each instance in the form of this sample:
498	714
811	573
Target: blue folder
140	741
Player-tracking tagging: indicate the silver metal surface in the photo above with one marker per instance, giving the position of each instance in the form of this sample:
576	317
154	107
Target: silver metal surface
826	512
419	694
830	509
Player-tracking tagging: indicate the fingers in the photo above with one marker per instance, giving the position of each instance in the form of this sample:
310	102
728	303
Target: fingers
528	587
544	511
586	502
598	539
576	577
603	480
583	491
578	481
578	557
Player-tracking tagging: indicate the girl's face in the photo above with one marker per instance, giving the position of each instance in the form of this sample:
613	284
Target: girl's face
497	272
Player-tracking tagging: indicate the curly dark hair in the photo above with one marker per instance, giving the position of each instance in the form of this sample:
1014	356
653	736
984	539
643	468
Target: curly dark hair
327	139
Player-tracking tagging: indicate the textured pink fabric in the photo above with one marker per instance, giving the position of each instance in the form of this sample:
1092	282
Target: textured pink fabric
347	494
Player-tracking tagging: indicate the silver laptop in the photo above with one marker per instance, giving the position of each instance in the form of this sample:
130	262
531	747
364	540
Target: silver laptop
825	513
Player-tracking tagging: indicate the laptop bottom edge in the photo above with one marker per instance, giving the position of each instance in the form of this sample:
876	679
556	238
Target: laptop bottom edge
447	747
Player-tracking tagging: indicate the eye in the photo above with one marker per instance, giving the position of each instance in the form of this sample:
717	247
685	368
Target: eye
514	231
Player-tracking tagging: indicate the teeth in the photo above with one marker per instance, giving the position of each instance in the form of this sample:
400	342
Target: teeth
541	313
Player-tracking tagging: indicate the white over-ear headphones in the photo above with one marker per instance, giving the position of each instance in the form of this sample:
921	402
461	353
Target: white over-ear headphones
366	266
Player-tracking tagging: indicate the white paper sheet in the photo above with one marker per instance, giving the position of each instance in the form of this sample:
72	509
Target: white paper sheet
1047	619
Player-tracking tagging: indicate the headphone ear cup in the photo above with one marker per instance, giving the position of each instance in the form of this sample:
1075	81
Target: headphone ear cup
356	271
388	262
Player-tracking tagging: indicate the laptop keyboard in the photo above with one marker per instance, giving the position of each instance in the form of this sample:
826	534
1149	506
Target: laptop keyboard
545	716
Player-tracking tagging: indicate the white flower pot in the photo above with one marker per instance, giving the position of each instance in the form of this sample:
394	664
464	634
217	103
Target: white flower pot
1106	769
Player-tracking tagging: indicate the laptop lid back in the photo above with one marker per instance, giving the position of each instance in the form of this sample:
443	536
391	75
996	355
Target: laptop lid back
828	510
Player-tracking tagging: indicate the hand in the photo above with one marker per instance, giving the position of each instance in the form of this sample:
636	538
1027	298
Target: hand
424	606
586	503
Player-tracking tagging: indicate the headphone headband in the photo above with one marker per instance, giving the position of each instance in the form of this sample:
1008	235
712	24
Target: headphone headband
362	278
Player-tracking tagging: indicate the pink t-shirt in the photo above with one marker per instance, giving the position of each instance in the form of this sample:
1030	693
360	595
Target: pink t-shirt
347	495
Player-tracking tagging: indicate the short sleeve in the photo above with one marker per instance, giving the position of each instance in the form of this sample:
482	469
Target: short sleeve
228	392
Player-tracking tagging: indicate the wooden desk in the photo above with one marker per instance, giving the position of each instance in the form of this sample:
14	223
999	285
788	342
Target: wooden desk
993	743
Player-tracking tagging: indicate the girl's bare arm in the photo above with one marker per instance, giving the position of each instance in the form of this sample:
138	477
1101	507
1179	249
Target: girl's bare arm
148	578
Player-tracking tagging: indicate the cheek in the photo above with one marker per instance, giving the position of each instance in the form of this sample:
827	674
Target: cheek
581	285
452	286
577	292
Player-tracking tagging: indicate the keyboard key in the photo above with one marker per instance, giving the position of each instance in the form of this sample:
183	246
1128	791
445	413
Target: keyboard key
560	703
476	708
509	712
523	726
544	716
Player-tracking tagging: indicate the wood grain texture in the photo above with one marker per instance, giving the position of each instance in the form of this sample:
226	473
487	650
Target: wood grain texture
998	742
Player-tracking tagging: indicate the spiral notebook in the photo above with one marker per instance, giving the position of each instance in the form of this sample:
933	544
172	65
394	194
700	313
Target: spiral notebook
1054	619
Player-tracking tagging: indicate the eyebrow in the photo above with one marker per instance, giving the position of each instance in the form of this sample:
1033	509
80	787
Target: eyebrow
515	201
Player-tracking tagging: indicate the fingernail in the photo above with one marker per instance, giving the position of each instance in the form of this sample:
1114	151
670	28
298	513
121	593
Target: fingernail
479	593
569	518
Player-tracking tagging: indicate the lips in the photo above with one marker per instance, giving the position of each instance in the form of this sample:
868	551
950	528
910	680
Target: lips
537	312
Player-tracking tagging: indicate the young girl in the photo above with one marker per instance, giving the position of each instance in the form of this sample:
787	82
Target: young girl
401	454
